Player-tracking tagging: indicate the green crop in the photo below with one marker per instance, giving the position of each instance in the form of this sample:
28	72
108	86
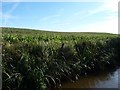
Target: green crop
37	60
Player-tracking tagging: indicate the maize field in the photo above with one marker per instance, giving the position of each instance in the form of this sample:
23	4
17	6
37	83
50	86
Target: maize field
39	60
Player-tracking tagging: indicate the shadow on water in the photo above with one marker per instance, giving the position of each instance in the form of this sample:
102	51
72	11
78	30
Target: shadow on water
107	79
101	80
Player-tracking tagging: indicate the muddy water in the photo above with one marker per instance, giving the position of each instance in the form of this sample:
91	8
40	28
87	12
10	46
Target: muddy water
101	80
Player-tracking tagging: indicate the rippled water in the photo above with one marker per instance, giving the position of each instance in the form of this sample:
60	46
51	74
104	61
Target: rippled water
101	80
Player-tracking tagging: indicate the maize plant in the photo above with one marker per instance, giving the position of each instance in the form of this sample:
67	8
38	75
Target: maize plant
41	60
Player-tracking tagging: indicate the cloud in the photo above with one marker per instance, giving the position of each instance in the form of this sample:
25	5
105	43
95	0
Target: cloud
109	26
6	16
106	5
106	26
111	5
49	18
13	7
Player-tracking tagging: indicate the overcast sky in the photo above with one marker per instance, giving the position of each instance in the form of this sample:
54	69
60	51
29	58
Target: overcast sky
62	16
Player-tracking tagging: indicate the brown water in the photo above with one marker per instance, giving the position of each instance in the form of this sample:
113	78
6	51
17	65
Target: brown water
101	80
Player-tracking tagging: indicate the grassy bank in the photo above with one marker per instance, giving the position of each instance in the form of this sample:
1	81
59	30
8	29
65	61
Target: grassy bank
36	60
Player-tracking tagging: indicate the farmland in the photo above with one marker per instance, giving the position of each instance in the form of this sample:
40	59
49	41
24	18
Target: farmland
35	60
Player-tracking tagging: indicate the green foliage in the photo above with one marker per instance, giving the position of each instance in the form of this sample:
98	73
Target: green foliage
37	60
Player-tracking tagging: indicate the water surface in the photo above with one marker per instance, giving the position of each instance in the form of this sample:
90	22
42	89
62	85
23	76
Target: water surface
101	80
